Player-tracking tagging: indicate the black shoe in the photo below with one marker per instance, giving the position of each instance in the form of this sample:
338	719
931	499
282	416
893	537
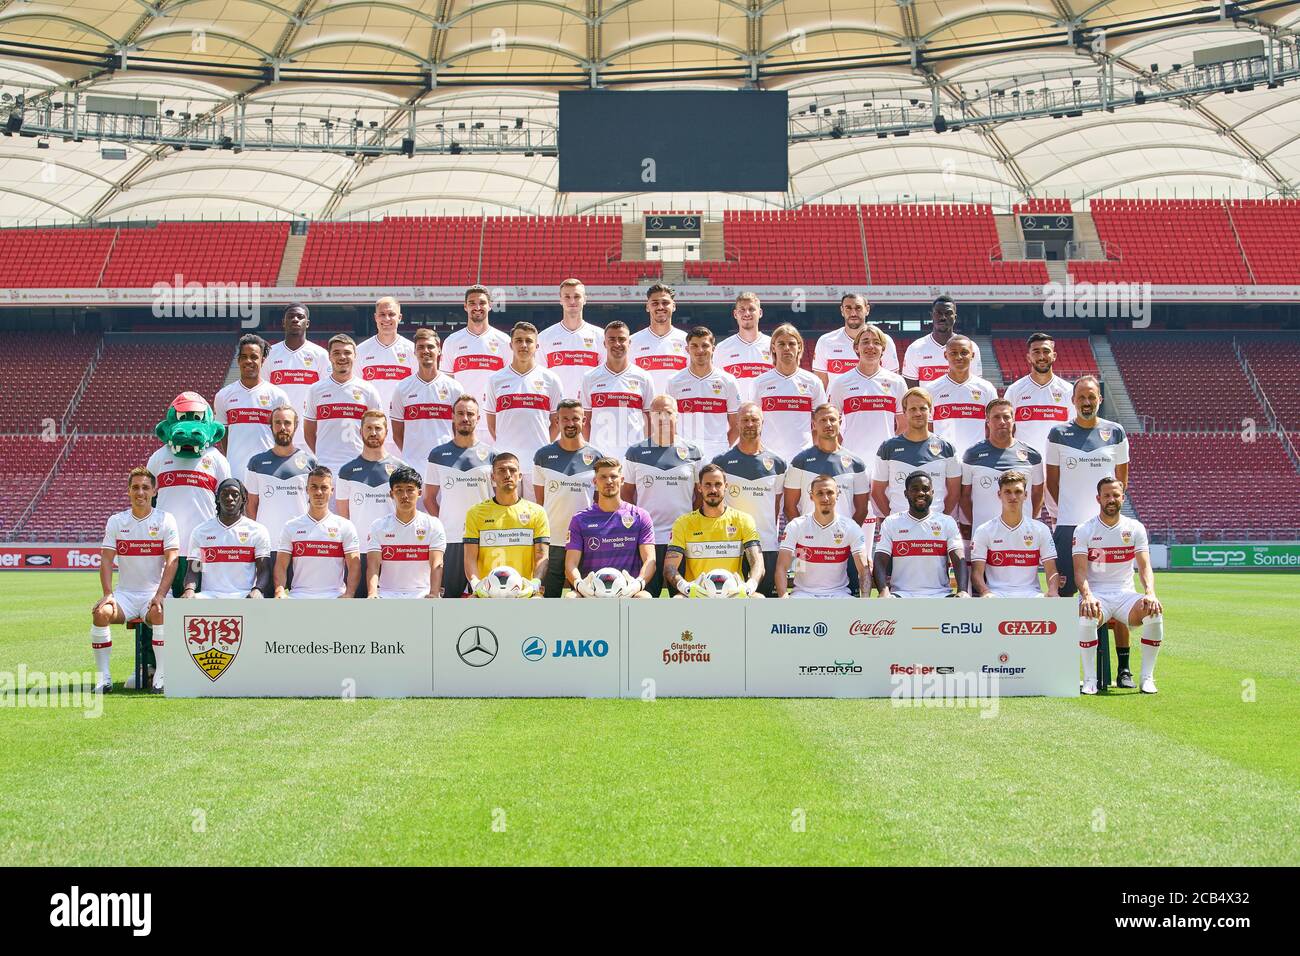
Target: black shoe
1125	679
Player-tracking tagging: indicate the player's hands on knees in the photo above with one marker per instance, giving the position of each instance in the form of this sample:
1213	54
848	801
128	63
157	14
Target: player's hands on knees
157	602
255	593
1150	605
1089	607
104	604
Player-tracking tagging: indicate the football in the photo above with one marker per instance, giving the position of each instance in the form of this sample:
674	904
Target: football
504	582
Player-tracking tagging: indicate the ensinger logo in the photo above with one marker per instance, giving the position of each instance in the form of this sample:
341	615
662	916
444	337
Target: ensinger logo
1027	628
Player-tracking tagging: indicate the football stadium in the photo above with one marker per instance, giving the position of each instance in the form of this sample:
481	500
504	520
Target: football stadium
603	332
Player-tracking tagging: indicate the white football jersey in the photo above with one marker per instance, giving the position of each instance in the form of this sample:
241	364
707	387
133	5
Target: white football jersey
226	555
246	413
463	477
958	415
919	550
787	403
140	544
924	361
1111	551
570	355
616	403
281	487
661	356
404	551
336	408
869	405
523	405
1084	456
1039	408
425	411
744	361
295	371
384	366
836	354
317	549
1011	556
703	404
822	554
472	360
187	487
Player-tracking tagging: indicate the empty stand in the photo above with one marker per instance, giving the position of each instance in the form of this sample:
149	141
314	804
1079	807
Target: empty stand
1276	365
199	252
1269	230
1186	384
40	372
53	258
941	244
1074	357
819	245
1042	206
546	250
25	460
399	250
90	486
134	382
1165	242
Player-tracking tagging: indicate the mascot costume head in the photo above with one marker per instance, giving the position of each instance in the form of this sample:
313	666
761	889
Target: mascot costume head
190	428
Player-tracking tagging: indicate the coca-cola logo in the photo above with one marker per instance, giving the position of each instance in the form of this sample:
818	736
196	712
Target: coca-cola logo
872	628
1027	628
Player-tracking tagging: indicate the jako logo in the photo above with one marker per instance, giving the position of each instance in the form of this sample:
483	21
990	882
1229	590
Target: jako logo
103	909
966	627
534	648
1027	628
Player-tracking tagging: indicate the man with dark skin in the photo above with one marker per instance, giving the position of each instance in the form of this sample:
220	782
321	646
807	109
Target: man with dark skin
924	360
920	495
231	499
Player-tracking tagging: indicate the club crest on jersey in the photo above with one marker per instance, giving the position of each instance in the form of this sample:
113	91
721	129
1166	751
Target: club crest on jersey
1127	536
419	534
356	395
716	387
332	532
1022	454
1105	433
481	452
307	360
838	537
264	400
936	529
588	341
935	446
536	386
731	531
390	468
493	345
205	463
212	642
1056	395
401	356
588	457
846	461
1029	540
802	387
767	355
628	520
682	452
153	530
767	464
242	535
975	394
300	461
442	392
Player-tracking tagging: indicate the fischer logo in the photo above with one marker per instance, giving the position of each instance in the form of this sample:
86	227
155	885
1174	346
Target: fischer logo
872	628
1027	628
913	670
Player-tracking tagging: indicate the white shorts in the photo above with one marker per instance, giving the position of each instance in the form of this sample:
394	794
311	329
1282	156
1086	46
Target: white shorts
133	604
313	595
1116	604
222	595
1017	594
920	594
820	594
385	593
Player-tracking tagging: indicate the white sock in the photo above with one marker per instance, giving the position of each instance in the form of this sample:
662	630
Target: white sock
158	655
1088	647
101	642
1153	633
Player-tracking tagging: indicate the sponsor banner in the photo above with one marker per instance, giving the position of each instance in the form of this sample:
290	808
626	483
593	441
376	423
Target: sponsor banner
1235	556
49	557
527	648
688	649
303	648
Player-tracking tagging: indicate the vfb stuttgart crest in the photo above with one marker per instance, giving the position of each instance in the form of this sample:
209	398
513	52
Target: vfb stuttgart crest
213	642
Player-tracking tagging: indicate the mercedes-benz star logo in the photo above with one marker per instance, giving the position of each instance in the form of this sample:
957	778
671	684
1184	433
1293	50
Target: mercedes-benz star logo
477	646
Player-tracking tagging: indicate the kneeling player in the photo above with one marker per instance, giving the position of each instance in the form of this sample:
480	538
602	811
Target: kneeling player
323	547
612	533
1105	549
147	547
230	555
916	547
1006	550
821	544
406	547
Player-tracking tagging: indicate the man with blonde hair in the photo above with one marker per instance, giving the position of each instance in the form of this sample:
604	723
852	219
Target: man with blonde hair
571	347
386	358
747	354
787	395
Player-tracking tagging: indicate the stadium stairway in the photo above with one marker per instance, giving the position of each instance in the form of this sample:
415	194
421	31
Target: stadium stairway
989	361
1117	405
291	260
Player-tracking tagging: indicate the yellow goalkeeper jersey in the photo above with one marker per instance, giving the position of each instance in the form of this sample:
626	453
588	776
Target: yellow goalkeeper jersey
709	543
505	534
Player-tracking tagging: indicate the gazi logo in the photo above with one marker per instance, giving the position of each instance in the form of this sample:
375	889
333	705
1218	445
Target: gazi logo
534	648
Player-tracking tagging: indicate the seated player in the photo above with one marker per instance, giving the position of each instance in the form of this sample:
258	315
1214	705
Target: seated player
406	547
1105	550
915	547
821	544
506	531
230	555
713	536
1008	549
147	547
612	533
323	548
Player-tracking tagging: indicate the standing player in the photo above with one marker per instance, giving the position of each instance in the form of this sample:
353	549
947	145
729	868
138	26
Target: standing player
229	555
276	480
959	398
611	534
837	353
984	464
562	482
406	547
1041	399
1104	551
659	475
244	407
477	352
335	406
320	548
820	544
756	486
617	396
915	450
787	395
571	347
506	531
146	544
522	401
747	354
362	489
386	358
869	397
925	360
707	398
659	349
295	364
827	457
916	547
1008	549
457	477
713	536
420	410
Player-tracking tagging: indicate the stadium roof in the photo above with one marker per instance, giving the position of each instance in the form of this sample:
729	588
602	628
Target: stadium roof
500	61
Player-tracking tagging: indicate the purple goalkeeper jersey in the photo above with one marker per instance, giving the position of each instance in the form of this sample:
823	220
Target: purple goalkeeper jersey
611	539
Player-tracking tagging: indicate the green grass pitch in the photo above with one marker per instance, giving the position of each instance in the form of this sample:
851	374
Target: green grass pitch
1207	772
